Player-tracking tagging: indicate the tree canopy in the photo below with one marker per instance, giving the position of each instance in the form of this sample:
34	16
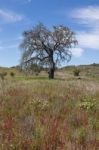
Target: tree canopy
47	47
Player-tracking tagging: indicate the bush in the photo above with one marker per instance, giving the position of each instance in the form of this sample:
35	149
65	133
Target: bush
12	74
88	104
76	72
2	75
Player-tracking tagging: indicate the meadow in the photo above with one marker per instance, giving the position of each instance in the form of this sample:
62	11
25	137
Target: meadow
41	114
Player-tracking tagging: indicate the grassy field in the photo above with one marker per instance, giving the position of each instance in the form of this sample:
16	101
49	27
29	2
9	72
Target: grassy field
41	114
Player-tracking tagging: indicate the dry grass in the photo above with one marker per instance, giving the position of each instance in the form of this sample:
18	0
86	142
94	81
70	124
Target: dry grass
49	115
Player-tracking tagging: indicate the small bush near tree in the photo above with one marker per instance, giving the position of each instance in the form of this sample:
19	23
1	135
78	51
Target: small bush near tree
12	74
76	72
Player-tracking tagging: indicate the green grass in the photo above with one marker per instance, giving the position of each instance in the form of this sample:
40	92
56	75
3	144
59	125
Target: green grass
24	78
31	78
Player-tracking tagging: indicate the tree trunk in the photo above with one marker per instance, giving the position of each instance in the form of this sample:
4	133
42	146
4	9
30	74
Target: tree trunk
51	73
51	67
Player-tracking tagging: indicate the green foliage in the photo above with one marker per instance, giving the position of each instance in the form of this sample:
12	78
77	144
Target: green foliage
32	69
12	74
88	104
76	72
82	135
35	69
40	105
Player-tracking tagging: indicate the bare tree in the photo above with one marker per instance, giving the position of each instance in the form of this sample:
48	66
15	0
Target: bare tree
47	48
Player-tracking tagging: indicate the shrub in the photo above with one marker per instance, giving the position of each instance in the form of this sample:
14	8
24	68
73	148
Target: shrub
88	104
2	75
76	72
12	74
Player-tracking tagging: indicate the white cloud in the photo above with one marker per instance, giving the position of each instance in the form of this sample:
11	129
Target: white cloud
8	47
9	16
9	44
88	16
77	52
88	40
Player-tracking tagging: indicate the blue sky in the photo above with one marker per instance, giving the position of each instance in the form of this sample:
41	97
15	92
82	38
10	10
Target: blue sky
82	16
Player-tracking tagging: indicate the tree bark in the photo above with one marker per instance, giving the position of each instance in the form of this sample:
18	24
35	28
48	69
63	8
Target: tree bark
51	73
52	66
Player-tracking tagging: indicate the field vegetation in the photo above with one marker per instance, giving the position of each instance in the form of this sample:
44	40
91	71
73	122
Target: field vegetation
41	114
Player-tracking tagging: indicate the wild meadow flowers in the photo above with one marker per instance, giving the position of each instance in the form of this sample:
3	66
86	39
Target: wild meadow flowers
49	115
